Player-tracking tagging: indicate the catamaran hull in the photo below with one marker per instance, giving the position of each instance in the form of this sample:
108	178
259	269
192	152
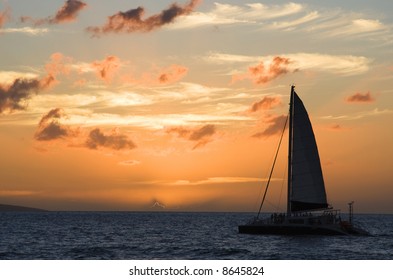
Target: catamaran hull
290	230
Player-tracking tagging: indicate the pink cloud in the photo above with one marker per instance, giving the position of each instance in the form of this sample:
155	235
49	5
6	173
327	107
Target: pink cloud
59	64
107	68
360	98
158	76
172	74
262	73
4	16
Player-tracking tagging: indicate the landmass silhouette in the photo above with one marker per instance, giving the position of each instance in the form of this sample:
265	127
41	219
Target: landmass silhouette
16	208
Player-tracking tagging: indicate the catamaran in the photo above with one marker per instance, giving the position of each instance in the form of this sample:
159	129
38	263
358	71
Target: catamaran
308	211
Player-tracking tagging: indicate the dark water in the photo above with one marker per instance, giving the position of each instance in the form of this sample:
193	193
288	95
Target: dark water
158	235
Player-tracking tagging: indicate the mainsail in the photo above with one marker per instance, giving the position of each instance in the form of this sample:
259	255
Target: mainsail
306	186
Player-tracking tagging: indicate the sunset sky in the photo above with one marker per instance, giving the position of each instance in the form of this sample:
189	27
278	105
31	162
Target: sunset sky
138	105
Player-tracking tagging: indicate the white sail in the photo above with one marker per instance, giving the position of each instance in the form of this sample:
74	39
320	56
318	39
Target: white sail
307	188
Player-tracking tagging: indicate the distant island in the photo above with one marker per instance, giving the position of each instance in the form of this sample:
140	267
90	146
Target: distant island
15	208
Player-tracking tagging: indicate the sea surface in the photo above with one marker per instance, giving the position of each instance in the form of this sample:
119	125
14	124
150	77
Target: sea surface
175	235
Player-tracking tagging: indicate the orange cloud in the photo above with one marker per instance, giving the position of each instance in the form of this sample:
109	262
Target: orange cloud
360	98
107	68
262	74
172	74
131	21
201	135
4	16
114	140
49	127
56	66
158	76
275	126
67	13
265	103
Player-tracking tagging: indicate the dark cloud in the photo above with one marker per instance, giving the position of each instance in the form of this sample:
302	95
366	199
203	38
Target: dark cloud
14	97
67	13
203	132
201	135
56	113
262	74
182	132
4	16
131	21
336	127
114	141
50	128
265	103
360	98
275	125
51	131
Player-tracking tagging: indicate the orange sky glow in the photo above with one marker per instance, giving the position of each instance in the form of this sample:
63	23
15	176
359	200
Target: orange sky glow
125	105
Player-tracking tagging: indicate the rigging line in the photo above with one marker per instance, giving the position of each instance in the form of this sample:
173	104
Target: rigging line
282	187
271	171
260	189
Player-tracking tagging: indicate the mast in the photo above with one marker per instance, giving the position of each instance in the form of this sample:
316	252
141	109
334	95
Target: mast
290	144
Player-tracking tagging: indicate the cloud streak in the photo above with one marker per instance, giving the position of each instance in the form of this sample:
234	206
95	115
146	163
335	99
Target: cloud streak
324	23
132	20
67	13
25	30
345	65
372	113
225	14
219	180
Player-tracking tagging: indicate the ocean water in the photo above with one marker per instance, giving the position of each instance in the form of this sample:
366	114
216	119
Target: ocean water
171	235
